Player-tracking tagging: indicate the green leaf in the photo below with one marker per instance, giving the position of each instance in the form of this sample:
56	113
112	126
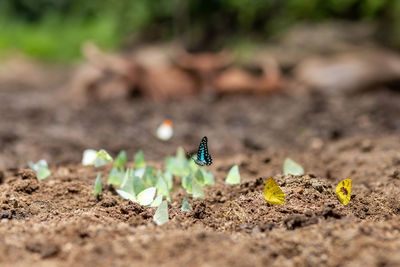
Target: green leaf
102	158
186	205
41	169
120	161
233	176
161	215
291	167
115	177
162	188
97	185
139	160
197	190
157	201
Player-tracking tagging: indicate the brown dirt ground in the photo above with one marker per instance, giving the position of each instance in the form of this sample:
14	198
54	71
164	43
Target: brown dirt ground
58	222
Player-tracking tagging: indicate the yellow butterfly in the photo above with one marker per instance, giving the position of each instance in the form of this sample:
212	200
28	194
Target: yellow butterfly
273	193
343	191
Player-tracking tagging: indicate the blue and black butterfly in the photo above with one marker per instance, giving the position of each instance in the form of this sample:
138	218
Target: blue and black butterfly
203	158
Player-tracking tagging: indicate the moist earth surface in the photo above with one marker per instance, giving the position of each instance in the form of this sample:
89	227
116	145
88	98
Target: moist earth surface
58	221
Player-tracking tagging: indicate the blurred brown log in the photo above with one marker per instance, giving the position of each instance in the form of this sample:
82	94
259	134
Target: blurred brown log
347	72
162	73
204	68
261	77
159	78
103	76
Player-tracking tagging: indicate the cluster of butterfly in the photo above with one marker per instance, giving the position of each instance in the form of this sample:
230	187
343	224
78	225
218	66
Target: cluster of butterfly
272	192
275	196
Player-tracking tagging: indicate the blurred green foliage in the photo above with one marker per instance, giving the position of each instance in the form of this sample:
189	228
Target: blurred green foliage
55	29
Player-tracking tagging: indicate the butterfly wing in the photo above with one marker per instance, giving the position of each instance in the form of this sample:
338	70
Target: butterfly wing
208	159
343	191
202	153
201	150
273	193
